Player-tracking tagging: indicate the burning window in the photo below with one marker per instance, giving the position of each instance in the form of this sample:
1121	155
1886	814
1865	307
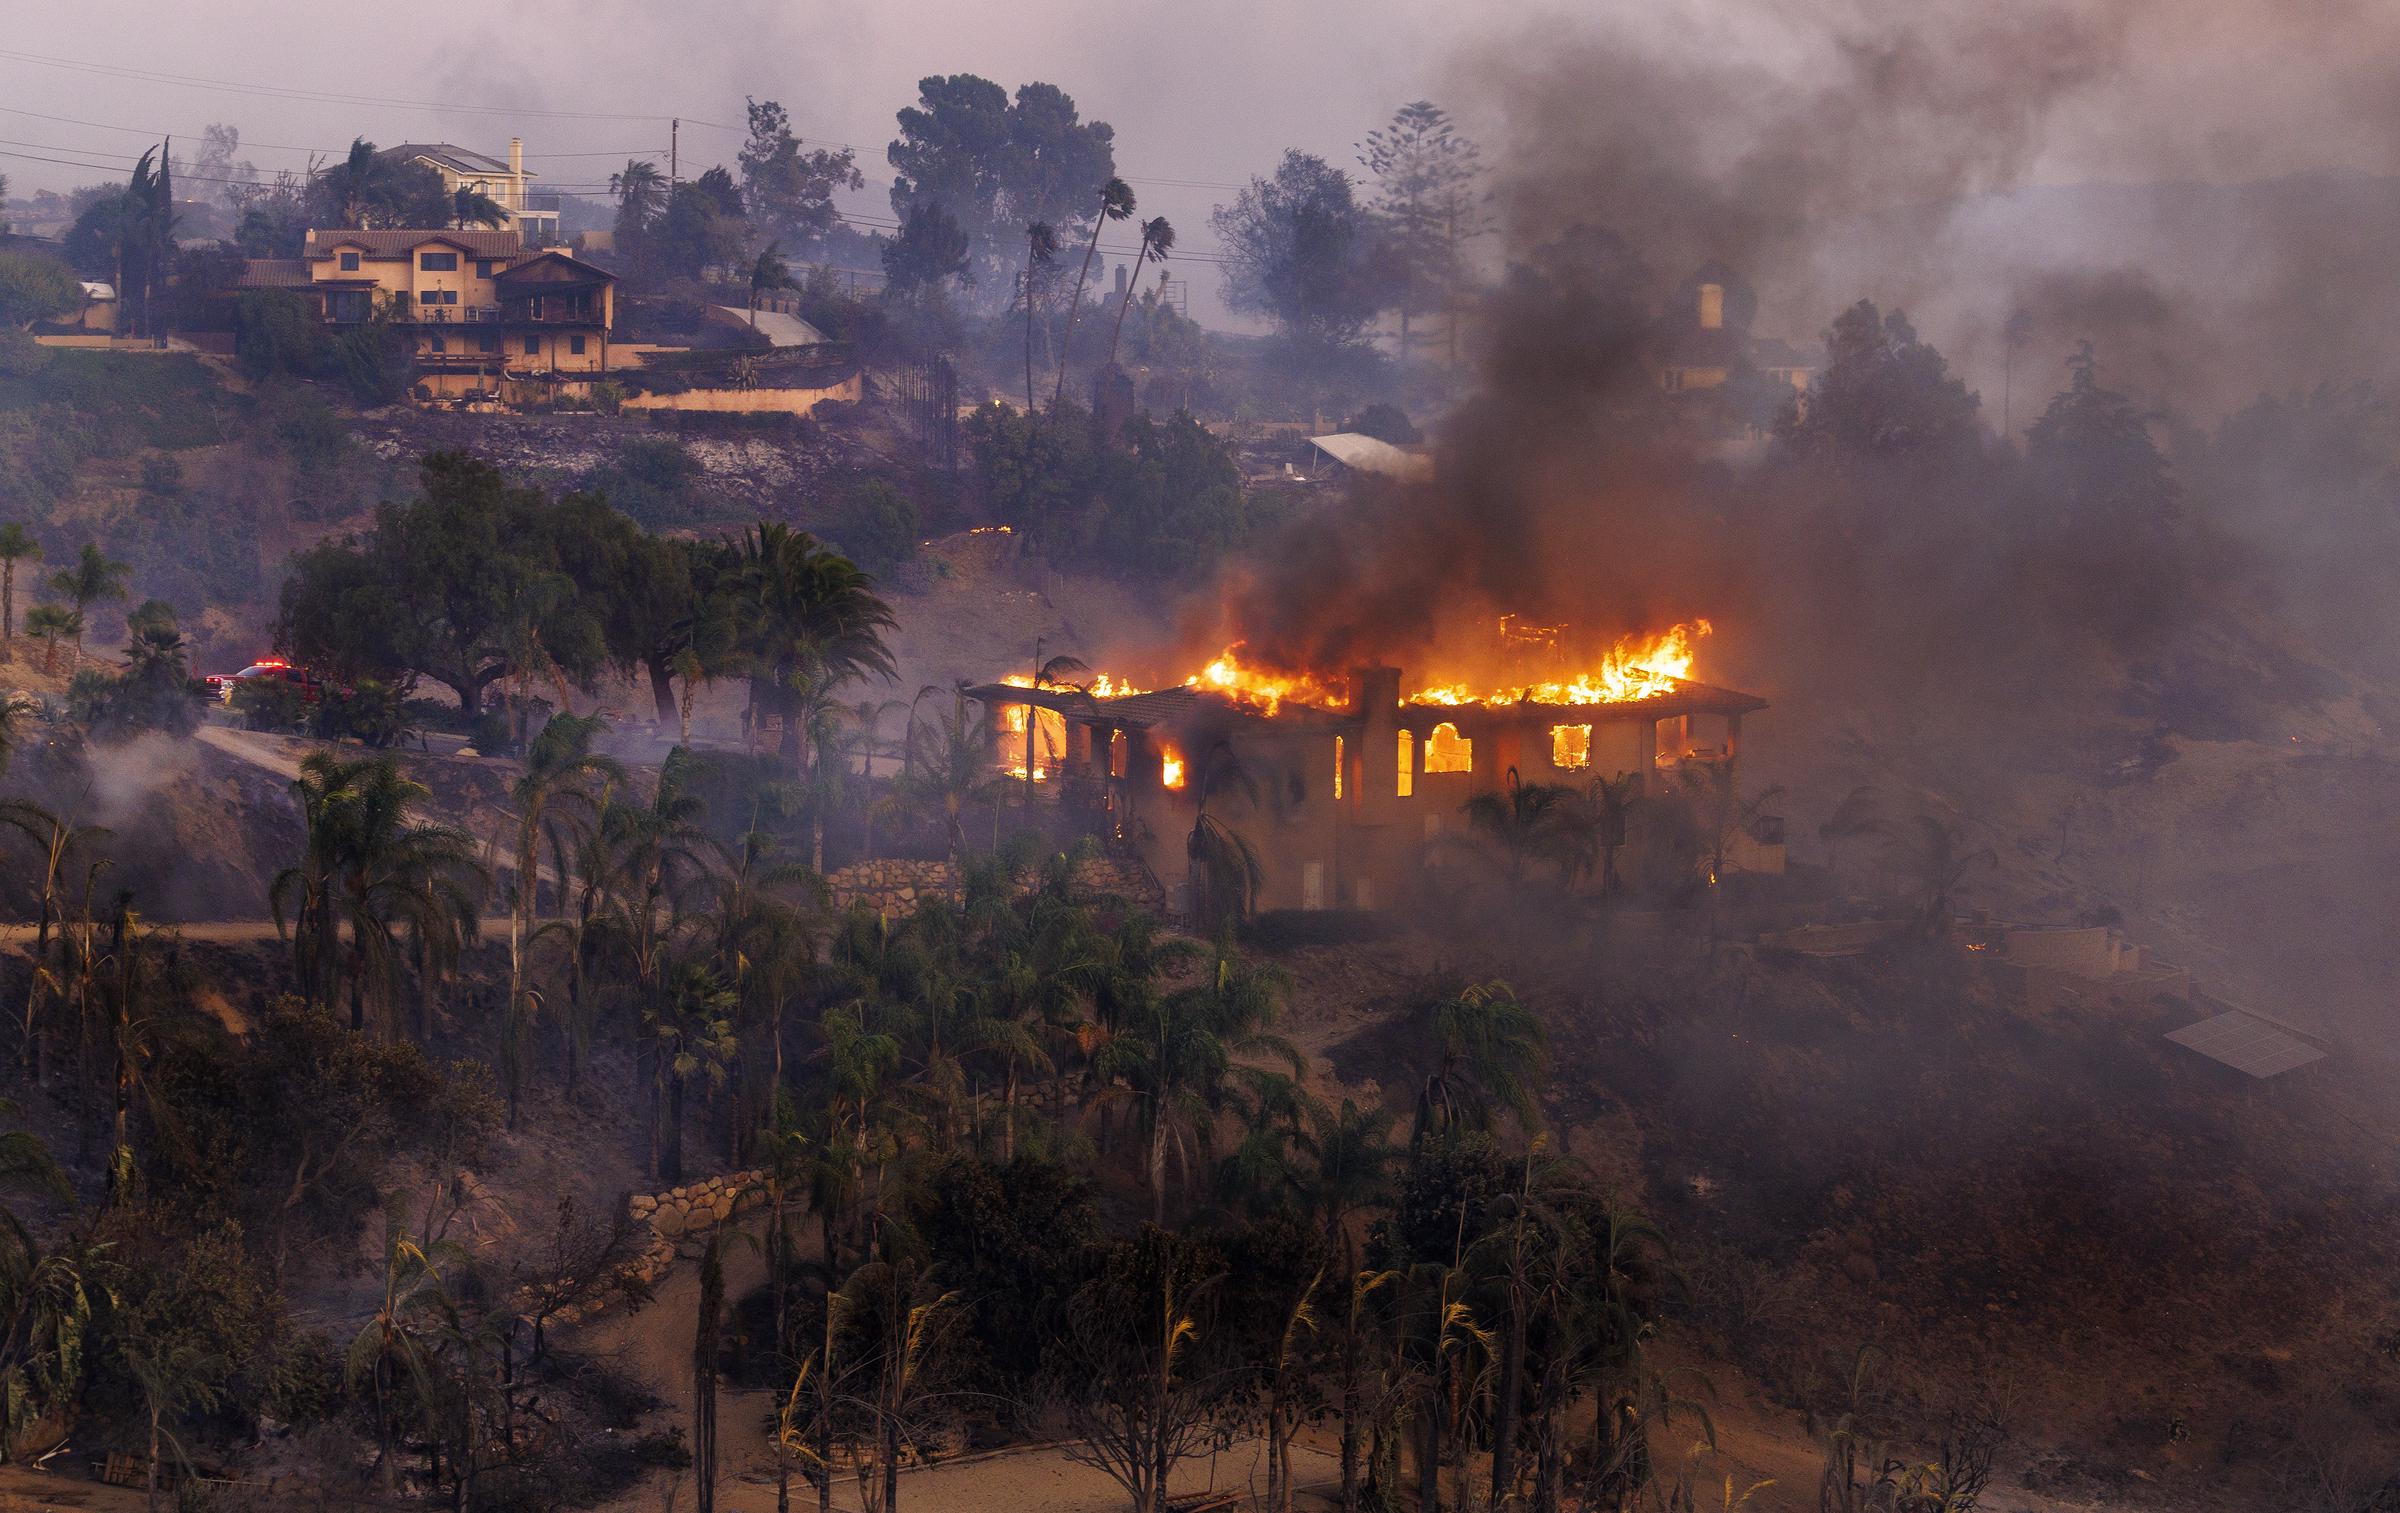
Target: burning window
1406	782
1448	751
1170	767
1049	741
1337	766
1570	747
1116	753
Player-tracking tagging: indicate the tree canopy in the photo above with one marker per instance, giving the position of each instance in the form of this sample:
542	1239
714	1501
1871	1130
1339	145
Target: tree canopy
1302	252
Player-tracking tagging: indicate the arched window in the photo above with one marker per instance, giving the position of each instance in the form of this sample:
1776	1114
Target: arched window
1448	751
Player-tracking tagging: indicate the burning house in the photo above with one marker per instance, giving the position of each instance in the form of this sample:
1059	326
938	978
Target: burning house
1347	780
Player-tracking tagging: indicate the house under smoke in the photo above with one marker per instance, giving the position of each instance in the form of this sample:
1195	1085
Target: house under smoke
1343	797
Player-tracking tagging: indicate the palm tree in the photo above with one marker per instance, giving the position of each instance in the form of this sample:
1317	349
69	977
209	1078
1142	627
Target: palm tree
398	871
1051	674
1179	1064
359	182
691	1030
1158	239
49	624
768	271
1041	248
16	545
640	191
562	770
1528	820
1116	203
951	767
810	621
470	206
93	577
1491	1050
1224	873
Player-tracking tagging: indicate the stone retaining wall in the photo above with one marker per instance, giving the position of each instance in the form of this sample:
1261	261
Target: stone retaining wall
892	887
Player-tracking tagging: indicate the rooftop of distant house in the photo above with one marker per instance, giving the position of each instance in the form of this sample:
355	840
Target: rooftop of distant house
451	156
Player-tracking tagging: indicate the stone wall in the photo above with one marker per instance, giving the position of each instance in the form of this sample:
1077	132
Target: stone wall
892	887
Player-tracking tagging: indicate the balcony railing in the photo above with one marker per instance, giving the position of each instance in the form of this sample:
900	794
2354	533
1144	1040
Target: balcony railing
452	315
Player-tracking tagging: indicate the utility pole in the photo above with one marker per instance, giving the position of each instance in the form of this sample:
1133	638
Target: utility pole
674	147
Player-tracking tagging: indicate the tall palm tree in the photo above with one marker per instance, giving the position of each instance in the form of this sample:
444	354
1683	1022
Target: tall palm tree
368	867
691	1030
50	624
359	183
952	766
397	871
1116	203
93	577
1158	239
810	622
1041	248
1181	1062
641	192
1490	1050
470	206
16	545
562	772
768	271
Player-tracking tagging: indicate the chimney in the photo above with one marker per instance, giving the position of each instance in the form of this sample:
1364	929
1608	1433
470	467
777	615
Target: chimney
1376	696
1120	281
516	155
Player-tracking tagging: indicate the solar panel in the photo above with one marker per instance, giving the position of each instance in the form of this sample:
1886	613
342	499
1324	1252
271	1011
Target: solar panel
2247	1044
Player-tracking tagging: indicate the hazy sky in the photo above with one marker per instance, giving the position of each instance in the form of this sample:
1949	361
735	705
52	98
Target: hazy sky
1206	95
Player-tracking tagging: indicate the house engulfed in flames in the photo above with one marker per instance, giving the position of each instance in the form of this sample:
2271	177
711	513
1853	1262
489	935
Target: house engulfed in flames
1349	779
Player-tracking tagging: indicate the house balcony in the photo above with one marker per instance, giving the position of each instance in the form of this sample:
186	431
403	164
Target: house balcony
451	315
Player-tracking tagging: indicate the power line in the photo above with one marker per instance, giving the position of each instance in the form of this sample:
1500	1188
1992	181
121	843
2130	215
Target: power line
330	97
277	91
245	145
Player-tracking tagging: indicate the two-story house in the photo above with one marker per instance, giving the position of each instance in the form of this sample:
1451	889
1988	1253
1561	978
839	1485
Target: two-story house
484	316
532	216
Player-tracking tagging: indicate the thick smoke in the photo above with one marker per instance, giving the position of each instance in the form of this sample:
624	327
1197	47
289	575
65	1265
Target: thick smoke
1876	149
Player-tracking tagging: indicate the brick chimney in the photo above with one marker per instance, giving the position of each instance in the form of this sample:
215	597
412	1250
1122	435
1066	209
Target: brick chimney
516	167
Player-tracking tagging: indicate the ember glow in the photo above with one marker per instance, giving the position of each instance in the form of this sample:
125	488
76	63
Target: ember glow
1170	769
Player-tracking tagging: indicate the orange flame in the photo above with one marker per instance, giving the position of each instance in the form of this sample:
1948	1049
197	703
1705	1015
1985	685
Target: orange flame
1636	668
1263	690
1170	769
